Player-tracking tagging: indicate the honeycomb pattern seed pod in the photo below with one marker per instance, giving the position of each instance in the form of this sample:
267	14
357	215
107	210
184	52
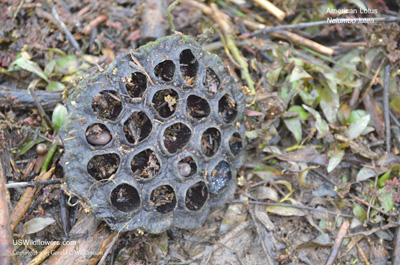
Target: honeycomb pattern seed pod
154	141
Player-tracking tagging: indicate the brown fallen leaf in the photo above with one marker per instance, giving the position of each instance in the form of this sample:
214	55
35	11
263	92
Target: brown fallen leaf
307	154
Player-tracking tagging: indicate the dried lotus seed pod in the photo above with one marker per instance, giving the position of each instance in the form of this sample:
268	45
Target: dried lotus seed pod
154	141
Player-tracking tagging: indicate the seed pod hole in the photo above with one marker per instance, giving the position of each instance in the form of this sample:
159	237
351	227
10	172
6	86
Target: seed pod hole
176	137
197	107
227	108
103	166
219	177
125	198
189	66
187	167
98	135
136	85
145	164
211	81
137	127
196	196
163	198
165	102
165	70
107	105
210	141
235	143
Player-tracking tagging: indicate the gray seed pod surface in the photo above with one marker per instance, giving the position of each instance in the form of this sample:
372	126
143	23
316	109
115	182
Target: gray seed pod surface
154	141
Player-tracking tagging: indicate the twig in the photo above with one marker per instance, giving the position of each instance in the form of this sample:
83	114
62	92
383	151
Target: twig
363	255
394	119
338	242
67	33
169	17
267	5
6	246
287	35
26	199
153	18
374	230
32	183
142	68
45	253
386	110
319	23
366	91
294	206
48	99
367	204
42	113
94	23
108	249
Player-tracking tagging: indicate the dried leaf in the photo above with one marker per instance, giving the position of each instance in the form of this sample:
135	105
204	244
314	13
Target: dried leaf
307	154
263	193
285	211
365	173
262	216
37	224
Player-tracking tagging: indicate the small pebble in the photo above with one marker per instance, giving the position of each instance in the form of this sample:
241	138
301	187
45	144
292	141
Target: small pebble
184	169
102	138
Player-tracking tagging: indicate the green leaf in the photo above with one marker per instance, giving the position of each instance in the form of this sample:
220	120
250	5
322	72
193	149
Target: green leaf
356	115
59	115
395	104
386	199
357	127
359	212
54	85
336	158
303	115
251	134
320	124
365	173
273	75
294	126
388	174
37	224
299	73
30	66
329	104
28	145
49	68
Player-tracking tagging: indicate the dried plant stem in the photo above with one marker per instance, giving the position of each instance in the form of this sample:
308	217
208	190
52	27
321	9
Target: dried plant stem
169	17
241	61
267	5
386	110
67	33
338	243
39	106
